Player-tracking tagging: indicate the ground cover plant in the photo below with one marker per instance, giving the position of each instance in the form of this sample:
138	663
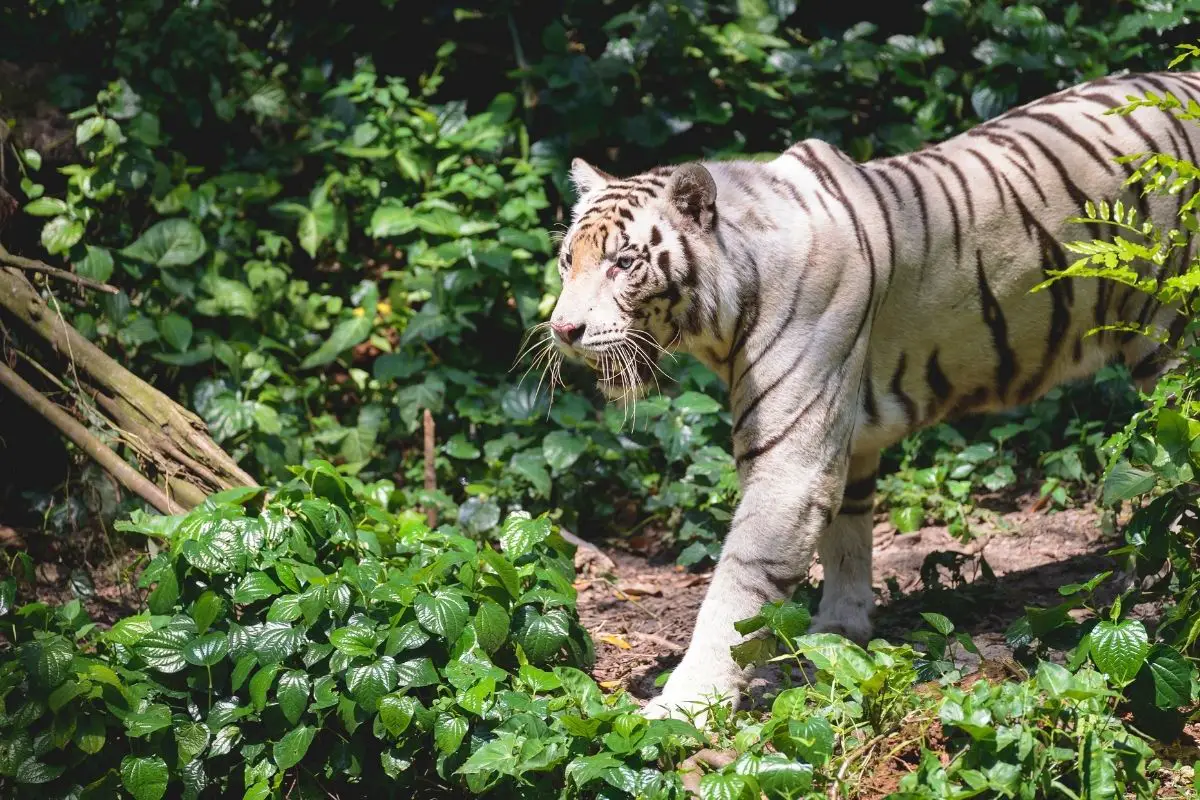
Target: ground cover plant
334	258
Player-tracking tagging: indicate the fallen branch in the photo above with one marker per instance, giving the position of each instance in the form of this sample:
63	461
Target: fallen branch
33	265
587	554
86	441
182	464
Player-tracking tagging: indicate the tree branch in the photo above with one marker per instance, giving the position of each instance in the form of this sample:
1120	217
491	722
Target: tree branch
85	440
32	265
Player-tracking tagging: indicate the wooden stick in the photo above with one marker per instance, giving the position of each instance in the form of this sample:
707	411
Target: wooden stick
33	265
430	467
129	477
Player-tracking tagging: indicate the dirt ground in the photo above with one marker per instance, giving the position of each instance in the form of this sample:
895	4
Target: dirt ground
641	609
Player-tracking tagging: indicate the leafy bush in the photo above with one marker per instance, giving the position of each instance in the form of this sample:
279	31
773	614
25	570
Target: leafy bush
320	639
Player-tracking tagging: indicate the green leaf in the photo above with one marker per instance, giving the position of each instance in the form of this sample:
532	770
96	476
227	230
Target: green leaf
347	334
448	732
275	641
32	771
90	734
696	403
61	234
541	636
354	640
396	712
521	534
369	683
168	243
289	750
1100	769
255	586
1172	675
47	660
176	331
416	672
532	466
1124	482
292	694
46	207
1119	648
206	609
907	518
32	158
562	449
443	613
938	622
190	740
97	264
261	683
145	777
726	786
491	626
206	651
505	571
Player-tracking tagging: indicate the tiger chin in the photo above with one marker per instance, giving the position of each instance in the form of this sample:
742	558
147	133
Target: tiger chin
848	304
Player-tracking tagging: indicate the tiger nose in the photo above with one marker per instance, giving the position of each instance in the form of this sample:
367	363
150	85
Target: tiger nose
569	332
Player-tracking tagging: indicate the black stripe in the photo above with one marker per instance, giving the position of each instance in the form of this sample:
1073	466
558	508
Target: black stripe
922	206
937	381
991	171
910	408
1064	130
962	181
887	221
993	317
953	216
860	489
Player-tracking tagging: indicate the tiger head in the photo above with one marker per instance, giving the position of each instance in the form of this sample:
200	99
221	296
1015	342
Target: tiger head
630	263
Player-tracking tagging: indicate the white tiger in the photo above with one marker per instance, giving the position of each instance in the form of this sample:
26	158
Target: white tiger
846	305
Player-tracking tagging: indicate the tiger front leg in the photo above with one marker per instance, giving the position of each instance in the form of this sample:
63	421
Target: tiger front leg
768	551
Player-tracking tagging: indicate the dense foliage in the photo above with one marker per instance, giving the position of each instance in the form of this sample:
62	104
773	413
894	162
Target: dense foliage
316	243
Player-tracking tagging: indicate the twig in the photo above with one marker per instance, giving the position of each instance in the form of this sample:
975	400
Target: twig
430	467
32	265
586	551
661	641
86	441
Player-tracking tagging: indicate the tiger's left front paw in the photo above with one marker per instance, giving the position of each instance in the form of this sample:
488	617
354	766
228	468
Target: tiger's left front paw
690	697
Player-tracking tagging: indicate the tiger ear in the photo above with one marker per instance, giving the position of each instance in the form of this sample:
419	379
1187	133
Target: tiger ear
586	177
693	193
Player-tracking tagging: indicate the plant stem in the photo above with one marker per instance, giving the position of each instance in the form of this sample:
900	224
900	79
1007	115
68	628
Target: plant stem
33	265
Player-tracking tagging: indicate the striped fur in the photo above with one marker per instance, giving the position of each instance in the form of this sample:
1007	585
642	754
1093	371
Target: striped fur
847	305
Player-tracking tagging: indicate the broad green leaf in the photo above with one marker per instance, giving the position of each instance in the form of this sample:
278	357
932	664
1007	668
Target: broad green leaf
255	586
938	622
1124	482
1172	675
562	449
443	613
532	466
207	608
347	334
191	738
144	777
176	331
97	264
32	771
416	672
46	207
354	640
776	774
396	712
520	535
696	403
448	732
491	626
499	756
541	636
1119	648
370	682
61	234
289	750
261	684
292	694
273	642
206	651
47	660
90	734
727	786
504	570
168	243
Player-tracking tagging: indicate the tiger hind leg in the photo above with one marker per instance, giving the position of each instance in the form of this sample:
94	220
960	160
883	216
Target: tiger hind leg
845	552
